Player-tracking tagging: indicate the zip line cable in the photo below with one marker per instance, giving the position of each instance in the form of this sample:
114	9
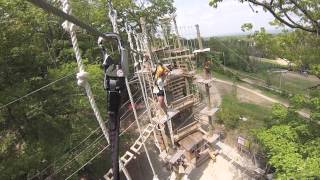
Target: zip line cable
124	131
96	141
57	12
34	91
91	133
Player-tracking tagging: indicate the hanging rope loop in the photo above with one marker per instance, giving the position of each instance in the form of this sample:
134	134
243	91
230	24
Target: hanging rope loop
82	77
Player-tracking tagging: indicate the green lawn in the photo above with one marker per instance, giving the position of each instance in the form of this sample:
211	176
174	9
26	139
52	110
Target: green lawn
231	111
291	82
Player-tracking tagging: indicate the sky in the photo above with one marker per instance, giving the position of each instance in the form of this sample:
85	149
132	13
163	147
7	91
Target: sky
225	20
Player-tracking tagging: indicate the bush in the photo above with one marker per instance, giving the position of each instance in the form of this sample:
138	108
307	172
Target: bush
229	118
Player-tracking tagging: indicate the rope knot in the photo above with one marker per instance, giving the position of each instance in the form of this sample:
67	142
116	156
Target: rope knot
82	77
67	26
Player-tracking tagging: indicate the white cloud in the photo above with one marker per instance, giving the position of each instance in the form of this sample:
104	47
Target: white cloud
226	19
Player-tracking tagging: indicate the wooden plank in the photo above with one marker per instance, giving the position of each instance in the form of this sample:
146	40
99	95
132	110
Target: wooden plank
186	98
181	78
126	158
177	84
178	57
182	86
177	94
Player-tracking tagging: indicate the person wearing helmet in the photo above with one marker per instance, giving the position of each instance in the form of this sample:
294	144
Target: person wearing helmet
160	74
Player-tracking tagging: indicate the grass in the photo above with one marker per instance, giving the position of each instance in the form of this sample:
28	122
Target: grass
257	117
292	83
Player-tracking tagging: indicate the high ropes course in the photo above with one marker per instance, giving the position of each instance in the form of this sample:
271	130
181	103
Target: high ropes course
177	132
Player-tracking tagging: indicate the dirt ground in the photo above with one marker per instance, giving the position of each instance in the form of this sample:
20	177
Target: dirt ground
222	169
294	75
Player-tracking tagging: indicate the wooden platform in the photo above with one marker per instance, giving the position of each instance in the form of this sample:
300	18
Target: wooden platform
201	50
183	103
178	57
164	118
209	112
204	81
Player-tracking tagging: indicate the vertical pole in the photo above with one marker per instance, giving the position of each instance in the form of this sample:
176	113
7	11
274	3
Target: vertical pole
144	32
169	123
164	137
164	35
187	85
208	95
199	36
177	31
280	80
224	62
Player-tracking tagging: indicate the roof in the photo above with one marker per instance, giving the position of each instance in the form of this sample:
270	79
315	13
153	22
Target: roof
190	141
201	50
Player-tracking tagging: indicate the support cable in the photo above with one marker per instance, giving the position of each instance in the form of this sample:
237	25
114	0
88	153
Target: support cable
34	91
51	9
124	131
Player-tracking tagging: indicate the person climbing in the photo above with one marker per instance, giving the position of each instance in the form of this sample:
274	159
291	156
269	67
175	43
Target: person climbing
207	66
160	74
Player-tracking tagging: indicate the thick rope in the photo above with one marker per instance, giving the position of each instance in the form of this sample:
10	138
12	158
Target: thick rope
82	76
113	17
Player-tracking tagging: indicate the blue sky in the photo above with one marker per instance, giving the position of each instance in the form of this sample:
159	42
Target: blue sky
225	20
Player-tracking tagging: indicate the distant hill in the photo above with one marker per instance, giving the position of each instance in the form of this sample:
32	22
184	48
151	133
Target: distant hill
242	34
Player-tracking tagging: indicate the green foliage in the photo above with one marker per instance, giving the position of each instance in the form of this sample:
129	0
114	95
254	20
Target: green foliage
232	109
34	51
292	143
246	27
279	112
291	150
229	118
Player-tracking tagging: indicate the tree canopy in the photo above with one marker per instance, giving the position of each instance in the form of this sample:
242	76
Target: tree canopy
37	130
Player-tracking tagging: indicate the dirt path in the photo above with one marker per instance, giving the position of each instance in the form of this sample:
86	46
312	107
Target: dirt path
258	93
221	169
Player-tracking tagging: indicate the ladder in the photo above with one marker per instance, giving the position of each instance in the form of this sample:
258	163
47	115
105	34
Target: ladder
134	149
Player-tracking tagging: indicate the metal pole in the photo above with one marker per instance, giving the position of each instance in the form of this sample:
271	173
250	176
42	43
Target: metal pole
224	62
177	31
144	32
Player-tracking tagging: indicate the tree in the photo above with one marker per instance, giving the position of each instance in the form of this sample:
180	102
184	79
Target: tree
290	152
246	27
34	51
40	127
297	14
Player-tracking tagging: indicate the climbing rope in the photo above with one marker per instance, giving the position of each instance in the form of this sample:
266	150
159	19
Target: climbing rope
82	76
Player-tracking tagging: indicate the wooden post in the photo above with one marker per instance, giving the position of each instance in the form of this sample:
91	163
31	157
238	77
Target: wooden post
208	95
156	140
199	37
177	31
145	33
164	34
164	137
171	132
187	86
